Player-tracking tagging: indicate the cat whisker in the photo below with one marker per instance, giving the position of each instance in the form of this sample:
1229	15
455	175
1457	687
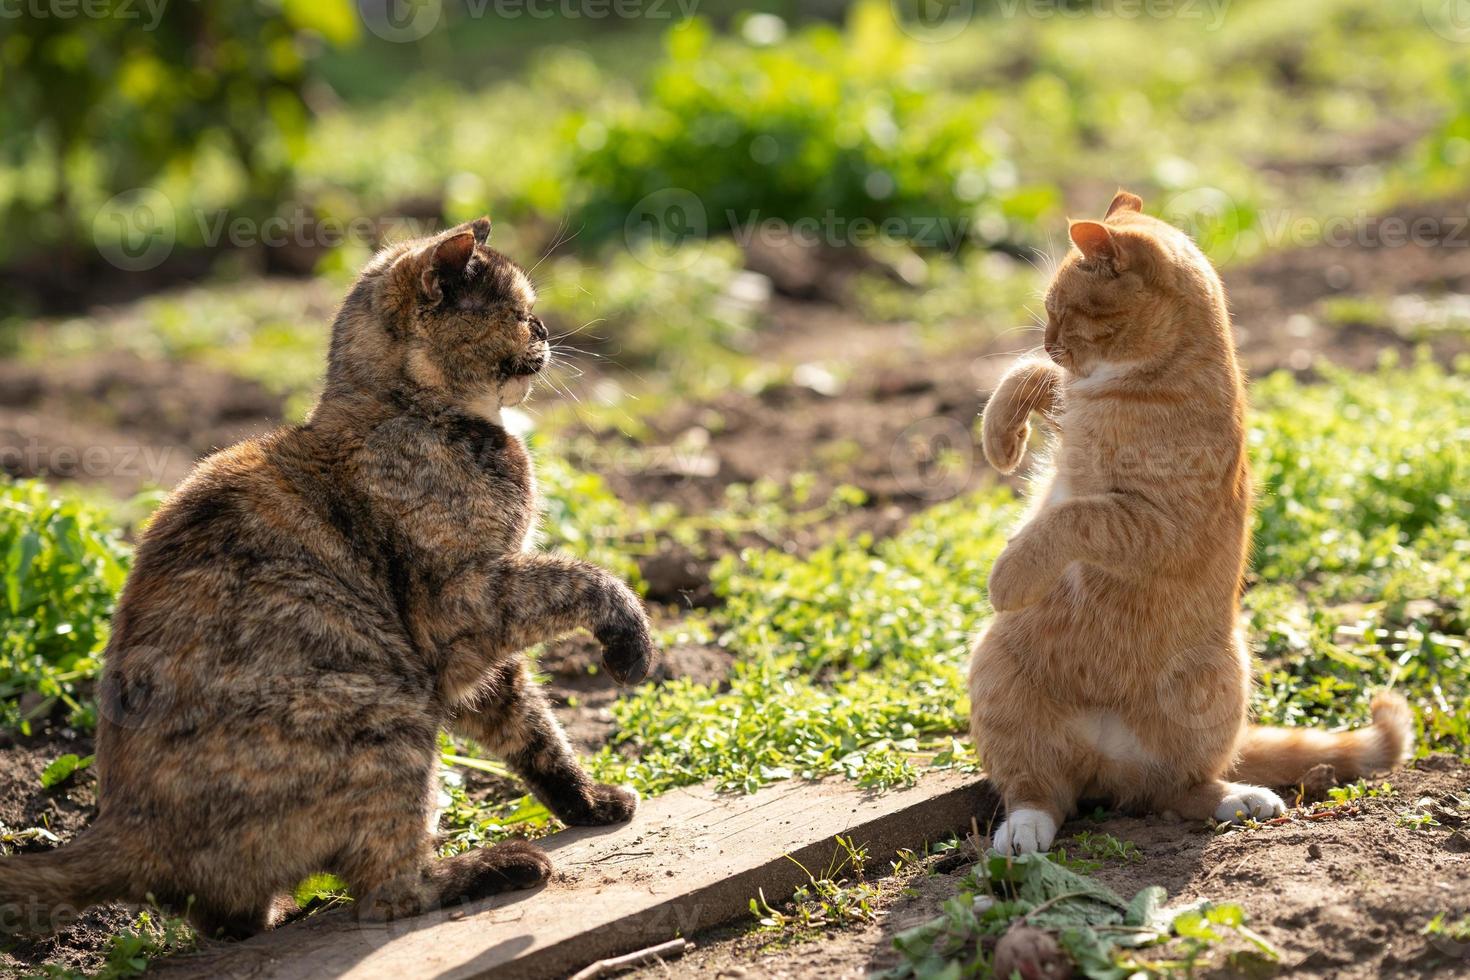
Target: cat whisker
557	243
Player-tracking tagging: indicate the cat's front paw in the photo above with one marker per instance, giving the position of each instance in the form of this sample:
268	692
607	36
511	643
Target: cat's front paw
599	805
1004	447
628	652
1025	831
1019	578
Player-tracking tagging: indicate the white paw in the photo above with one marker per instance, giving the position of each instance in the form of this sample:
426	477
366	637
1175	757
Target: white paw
1249	803
1025	832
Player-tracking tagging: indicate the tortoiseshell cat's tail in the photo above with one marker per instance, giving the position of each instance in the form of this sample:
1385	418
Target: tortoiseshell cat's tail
1282	756
45	891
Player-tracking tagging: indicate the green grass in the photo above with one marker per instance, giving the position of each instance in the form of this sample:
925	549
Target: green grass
851	660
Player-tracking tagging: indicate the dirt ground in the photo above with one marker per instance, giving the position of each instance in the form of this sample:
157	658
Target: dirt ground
1340	897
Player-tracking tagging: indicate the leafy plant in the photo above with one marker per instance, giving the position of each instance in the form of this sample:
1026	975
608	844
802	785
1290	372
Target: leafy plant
829	126
839	897
1088	851
63	768
1008	899
62	569
151	935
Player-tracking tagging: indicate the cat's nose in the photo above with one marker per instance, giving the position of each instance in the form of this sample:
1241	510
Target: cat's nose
538	329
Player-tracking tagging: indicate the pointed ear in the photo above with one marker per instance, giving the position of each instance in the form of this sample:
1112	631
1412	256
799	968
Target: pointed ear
446	260
1094	240
1124	202
480	227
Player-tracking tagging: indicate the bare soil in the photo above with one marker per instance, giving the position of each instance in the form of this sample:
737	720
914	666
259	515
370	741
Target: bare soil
1345	895
123	421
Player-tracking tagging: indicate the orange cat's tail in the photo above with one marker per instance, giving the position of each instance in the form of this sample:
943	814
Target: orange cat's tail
1282	756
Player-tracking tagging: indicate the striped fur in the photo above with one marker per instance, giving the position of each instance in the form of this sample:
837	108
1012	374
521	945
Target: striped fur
307	610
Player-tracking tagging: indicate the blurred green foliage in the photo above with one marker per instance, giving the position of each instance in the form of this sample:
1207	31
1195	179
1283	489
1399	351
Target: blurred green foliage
108	97
1232	126
840	124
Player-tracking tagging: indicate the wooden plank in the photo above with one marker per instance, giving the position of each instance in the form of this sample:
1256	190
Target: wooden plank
690	860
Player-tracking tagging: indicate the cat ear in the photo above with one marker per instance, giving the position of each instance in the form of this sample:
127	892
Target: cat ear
480	227
447	259
1124	202
1094	240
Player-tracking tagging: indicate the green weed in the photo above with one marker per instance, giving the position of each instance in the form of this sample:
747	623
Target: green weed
62	567
152	934
839	897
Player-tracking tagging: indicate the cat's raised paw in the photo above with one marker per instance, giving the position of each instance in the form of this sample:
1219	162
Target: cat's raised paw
628	654
1005	447
1249	803
1025	832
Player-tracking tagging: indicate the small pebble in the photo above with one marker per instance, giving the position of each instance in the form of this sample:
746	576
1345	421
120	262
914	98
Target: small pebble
1314	851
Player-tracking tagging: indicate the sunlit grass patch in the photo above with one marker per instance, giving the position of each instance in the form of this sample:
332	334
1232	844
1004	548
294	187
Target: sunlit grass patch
851	660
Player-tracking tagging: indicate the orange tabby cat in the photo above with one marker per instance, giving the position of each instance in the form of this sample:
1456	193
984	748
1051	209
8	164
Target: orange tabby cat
1114	667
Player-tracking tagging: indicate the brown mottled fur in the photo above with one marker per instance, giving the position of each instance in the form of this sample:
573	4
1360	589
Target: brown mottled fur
1114	667
308	609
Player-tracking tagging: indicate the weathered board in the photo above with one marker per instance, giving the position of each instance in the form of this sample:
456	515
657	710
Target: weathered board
690	860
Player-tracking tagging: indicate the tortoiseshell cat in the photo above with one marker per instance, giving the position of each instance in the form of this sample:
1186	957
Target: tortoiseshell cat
1114	666
308	609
